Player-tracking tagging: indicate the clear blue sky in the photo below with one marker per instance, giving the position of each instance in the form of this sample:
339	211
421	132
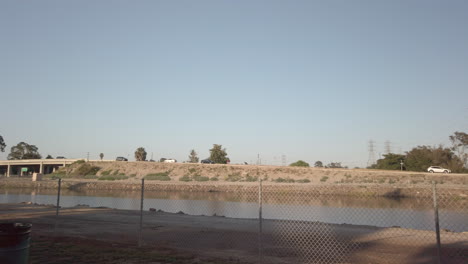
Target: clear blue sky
312	80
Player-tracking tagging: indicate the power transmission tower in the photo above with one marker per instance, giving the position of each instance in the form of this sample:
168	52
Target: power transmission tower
283	160
388	148
371	159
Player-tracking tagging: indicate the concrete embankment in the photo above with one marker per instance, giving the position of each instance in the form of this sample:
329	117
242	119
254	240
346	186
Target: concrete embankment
369	190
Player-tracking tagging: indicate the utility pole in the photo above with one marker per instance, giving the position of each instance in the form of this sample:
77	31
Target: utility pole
371	159
388	148
401	165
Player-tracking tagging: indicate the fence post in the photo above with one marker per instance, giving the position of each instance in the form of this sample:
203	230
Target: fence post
436	219
58	205
260	218
140	236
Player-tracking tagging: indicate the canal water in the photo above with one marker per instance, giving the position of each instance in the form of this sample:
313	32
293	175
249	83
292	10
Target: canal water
372	211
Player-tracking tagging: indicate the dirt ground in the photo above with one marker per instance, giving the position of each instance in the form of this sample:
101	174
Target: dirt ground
102	235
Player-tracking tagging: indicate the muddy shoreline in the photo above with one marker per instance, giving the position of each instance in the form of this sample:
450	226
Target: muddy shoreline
360	190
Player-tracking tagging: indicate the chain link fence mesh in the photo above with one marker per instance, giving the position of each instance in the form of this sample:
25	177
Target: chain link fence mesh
267	223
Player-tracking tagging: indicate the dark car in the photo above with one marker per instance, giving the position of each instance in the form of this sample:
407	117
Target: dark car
207	161
60	157
121	159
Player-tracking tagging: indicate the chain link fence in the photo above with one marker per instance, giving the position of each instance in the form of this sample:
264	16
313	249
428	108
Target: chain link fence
261	222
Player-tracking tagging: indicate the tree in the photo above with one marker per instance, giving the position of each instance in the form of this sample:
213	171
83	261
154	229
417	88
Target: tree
334	165
193	157
390	161
24	151
2	144
218	154
101	156
140	154
318	164
459	144
299	163
49	157
421	157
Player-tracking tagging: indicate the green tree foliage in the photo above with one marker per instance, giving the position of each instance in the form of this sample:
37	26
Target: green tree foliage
218	154
101	156
459	145
390	161
299	163
140	154
49	157
421	157
162	159
318	164
334	165
2	144
24	151
193	157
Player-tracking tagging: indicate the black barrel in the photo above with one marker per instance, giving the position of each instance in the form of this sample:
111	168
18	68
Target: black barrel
14	243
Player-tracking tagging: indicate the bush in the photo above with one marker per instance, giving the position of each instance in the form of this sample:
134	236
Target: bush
79	162
234	177
112	178
185	178
303	181
284	180
91	177
201	178
86	169
299	163
160	176
249	178
105	173
214	179
324	179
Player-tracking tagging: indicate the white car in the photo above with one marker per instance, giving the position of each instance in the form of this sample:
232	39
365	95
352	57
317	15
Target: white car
170	161
433	169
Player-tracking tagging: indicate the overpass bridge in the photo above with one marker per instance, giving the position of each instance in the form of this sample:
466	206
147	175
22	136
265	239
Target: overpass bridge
43	166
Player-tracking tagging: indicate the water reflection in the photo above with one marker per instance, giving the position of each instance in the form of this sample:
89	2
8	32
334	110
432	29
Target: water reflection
375	211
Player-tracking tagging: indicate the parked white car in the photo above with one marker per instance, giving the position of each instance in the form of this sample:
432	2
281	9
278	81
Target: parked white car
170	160
433	169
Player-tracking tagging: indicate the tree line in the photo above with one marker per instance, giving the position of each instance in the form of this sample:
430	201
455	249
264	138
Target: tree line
419	158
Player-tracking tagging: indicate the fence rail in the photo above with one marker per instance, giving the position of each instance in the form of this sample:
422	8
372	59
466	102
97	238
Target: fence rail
261	224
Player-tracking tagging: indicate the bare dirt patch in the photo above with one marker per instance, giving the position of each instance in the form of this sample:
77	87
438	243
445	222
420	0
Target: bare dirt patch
101	235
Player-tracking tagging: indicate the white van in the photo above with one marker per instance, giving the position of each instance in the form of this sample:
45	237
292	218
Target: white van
170	161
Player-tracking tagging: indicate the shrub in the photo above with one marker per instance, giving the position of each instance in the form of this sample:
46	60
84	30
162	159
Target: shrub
249	178
201	178
160	176
234	177
284	180
105	173
324	179
79	162
133	175
91	177
303	181
214	179
112	178
299	163
86	169
192	170
185	178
